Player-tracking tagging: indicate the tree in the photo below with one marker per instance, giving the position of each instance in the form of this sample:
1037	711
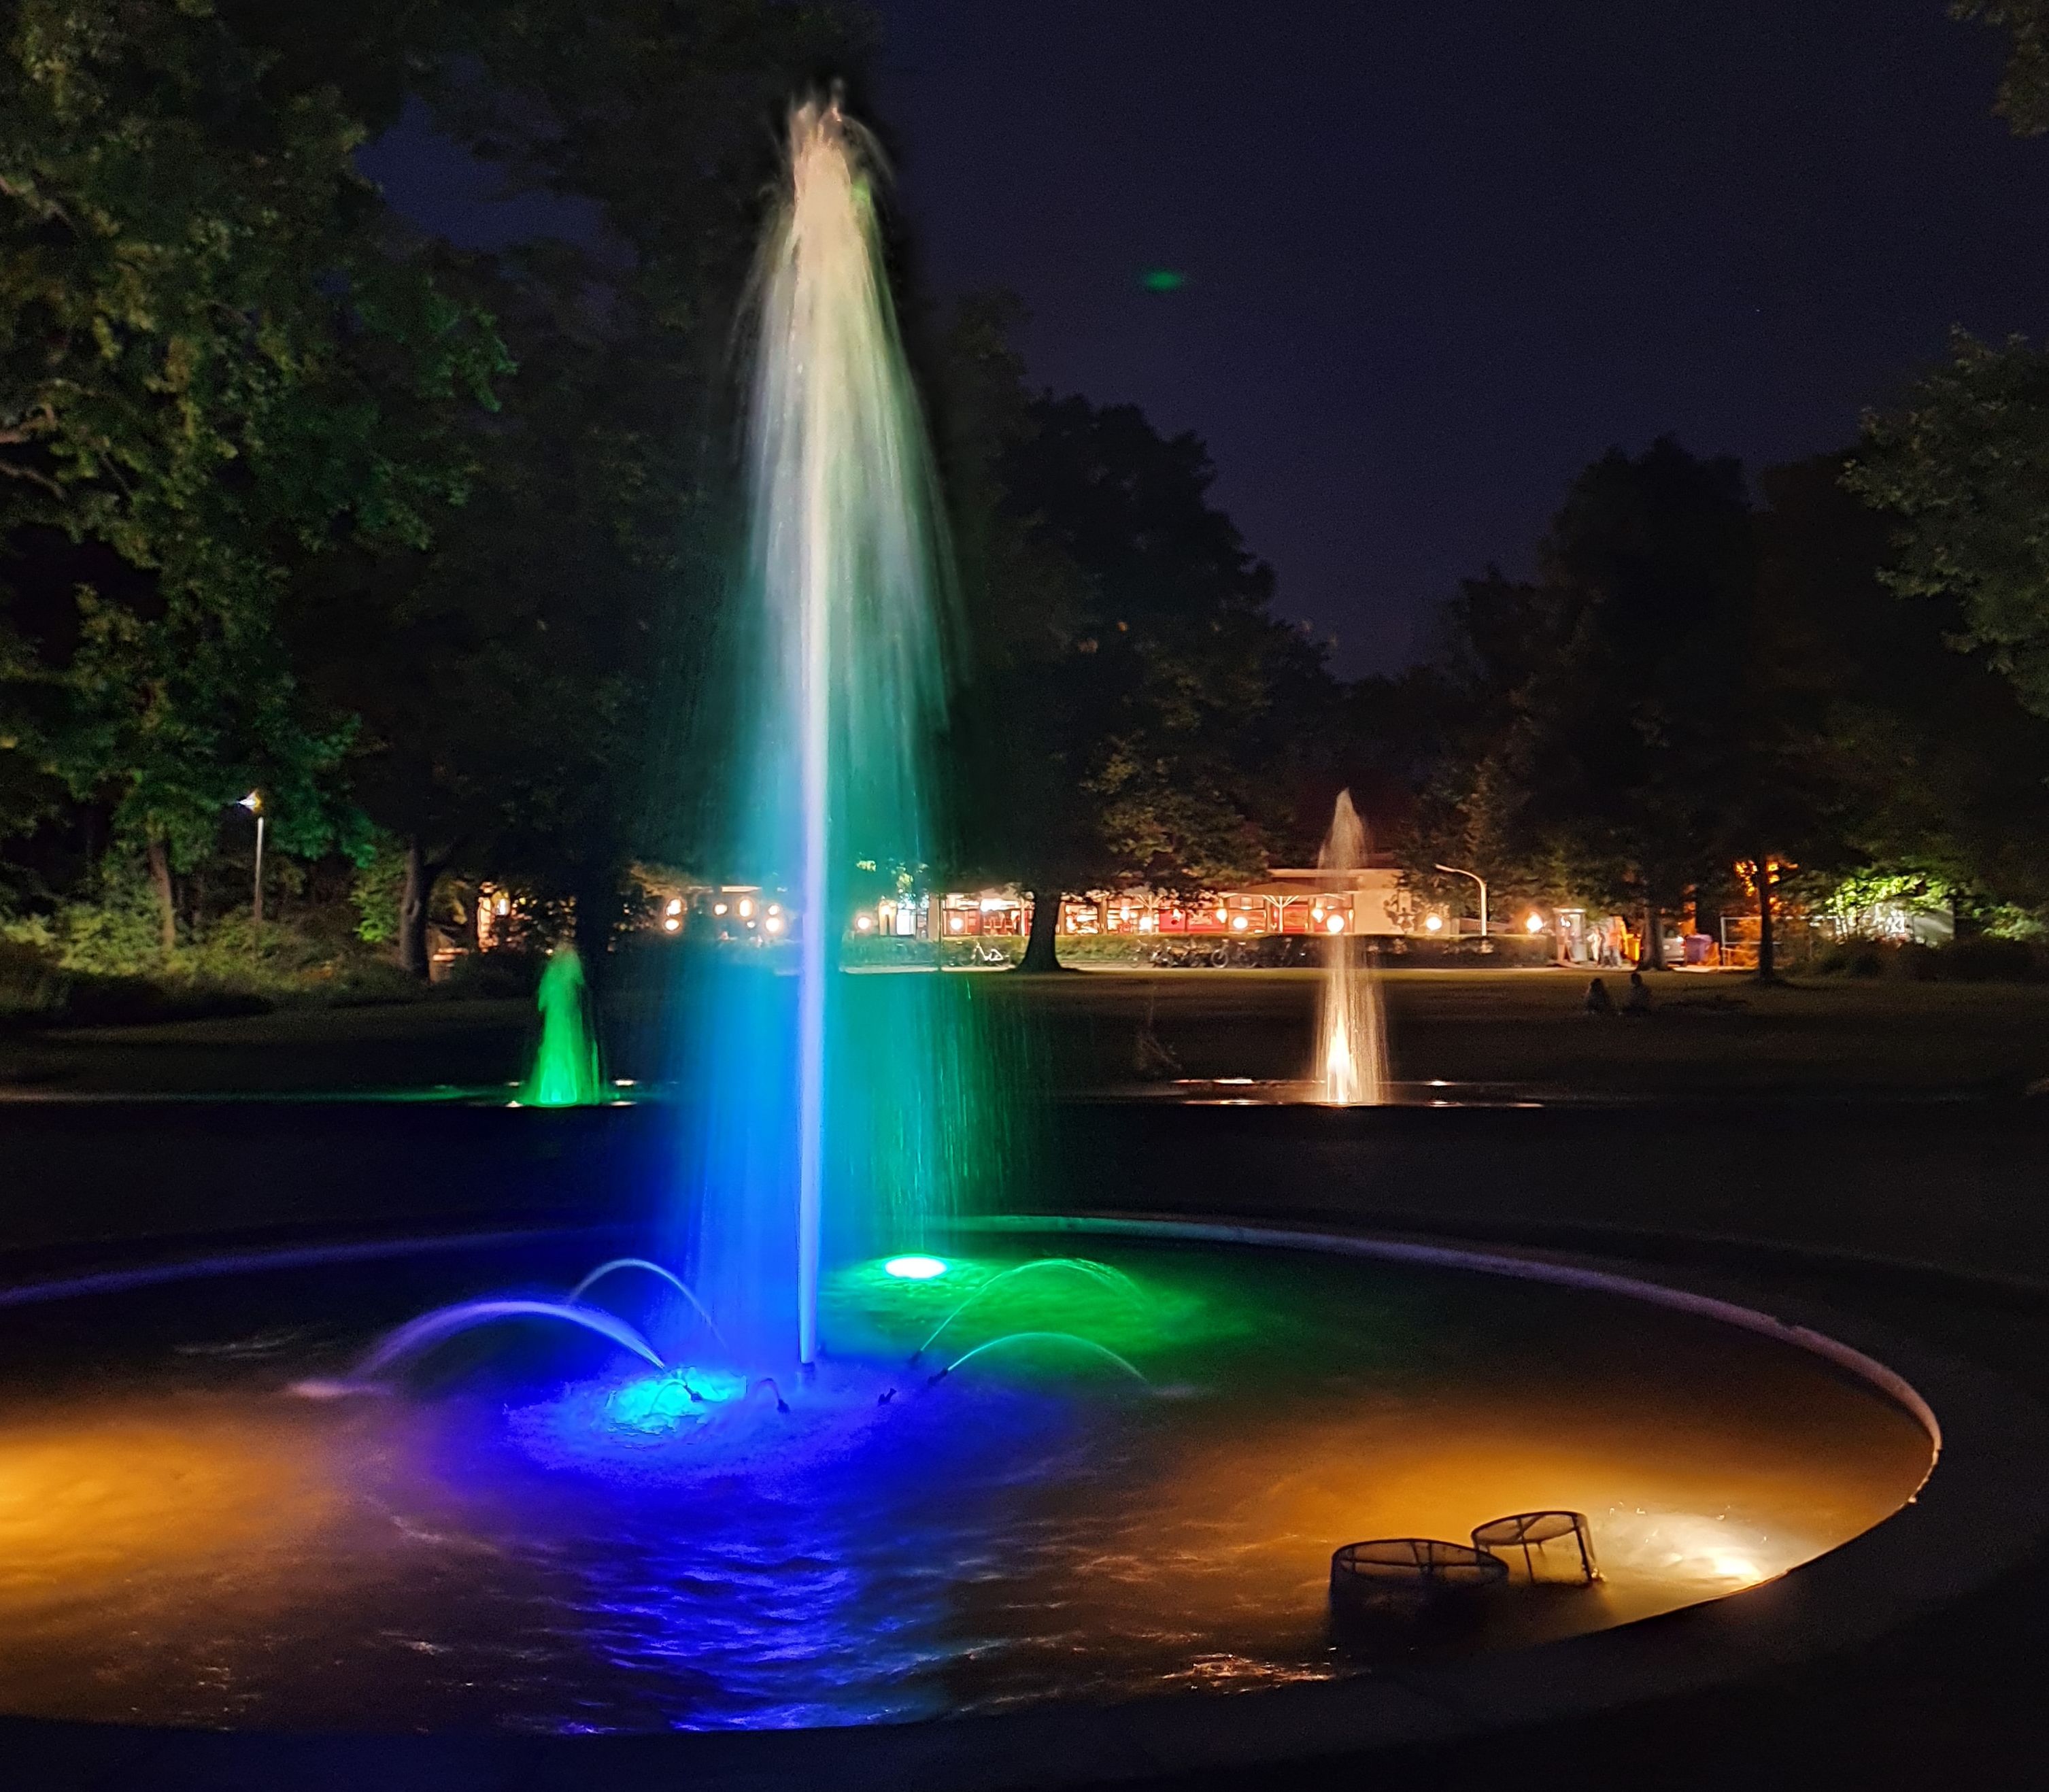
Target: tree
2023	89
1630	725
600	525
1924	760
368	584
211	362
1961	468
1127	663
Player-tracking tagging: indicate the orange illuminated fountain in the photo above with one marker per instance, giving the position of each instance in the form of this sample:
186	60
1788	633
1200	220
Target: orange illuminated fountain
1351	1058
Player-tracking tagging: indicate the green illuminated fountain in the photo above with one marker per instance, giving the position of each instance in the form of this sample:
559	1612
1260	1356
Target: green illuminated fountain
568	1069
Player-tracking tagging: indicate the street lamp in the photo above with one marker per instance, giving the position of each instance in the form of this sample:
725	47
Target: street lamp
1454	870
254	803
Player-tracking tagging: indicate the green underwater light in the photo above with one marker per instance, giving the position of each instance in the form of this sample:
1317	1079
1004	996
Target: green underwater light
915	1268
1163	280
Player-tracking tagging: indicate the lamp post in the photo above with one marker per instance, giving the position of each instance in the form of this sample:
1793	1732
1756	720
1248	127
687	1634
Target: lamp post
254	803
1475	876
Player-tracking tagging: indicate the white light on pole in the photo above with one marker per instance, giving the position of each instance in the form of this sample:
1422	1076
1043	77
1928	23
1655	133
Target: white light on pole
1454	870
254	803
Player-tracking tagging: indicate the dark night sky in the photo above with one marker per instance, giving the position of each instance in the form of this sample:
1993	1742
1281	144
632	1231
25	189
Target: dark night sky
1440	256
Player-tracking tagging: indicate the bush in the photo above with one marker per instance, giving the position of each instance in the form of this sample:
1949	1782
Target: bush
1980	958
503	971
91	1001
35	988
31	984
886	952
1856	958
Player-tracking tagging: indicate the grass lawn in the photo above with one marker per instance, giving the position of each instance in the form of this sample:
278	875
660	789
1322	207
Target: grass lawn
1707	1034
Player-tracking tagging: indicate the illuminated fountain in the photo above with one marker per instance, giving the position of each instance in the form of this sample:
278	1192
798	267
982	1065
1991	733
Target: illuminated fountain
567	1069
826	1454
1351	1057
838	1119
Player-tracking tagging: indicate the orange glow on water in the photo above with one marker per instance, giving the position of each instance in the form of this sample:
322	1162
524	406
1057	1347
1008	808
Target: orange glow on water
233	1557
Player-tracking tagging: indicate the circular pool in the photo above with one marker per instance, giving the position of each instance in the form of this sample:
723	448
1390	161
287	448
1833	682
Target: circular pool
1119	1472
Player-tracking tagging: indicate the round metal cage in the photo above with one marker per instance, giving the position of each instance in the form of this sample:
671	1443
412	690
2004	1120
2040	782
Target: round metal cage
1406	1570
1553	1546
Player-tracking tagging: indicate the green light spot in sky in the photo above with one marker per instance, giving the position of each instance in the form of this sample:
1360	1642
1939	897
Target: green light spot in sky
1163	280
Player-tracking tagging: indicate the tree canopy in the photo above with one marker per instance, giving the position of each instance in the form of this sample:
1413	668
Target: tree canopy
2024	89
1128	670
1962	467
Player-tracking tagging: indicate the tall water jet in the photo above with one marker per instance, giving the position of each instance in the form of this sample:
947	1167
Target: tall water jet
1351	1060
567	1069
833	1121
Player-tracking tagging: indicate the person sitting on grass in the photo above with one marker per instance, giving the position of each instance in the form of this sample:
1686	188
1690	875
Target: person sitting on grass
1597	1001
1638	1000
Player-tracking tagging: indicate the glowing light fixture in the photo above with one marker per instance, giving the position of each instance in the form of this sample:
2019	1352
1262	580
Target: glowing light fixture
1433	923
863	923
1221	913
774	908
718	908
746	907
670	925
1239	923
1534	924
775	923
253	803
915	1268
675	905
953	924
1334	924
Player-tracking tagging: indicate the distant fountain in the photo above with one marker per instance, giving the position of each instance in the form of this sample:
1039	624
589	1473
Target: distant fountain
567	1069
1351	1060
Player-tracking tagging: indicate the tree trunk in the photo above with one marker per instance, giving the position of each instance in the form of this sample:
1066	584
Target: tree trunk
167	898
1041	950
415	900
1768	969
597	907
1652	957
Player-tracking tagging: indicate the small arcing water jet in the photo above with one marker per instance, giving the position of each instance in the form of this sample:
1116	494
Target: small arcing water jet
568	1070
1351	1057
1114	1280
1067	1339
445	1322
652	1269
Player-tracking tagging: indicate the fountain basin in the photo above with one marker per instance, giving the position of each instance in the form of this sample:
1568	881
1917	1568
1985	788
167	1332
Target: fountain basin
492	1546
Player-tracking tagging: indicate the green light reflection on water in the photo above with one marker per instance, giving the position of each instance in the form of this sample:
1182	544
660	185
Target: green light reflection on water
979	1299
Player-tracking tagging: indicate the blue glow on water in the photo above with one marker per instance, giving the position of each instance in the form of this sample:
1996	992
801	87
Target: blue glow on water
661	1403
752	1569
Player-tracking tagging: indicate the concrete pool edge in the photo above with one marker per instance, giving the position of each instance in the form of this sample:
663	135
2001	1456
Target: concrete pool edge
1983	1511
